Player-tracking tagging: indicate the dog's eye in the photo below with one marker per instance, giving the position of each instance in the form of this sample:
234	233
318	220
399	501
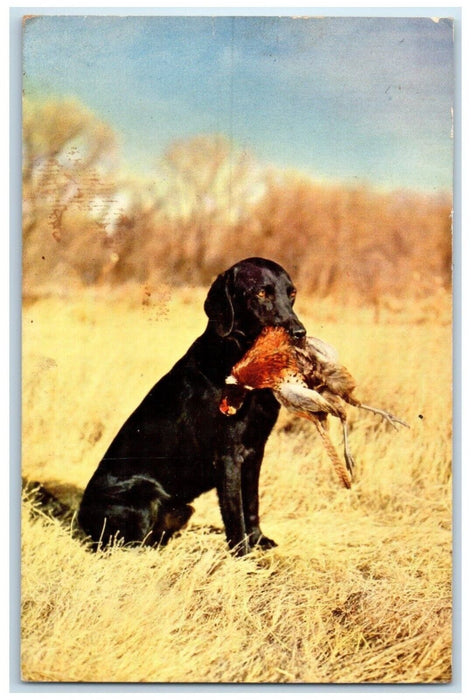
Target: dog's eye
292	294
261	294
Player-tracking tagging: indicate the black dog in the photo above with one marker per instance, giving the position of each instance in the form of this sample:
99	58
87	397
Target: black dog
177	444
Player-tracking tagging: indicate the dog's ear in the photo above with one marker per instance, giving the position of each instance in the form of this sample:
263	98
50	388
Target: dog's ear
218	305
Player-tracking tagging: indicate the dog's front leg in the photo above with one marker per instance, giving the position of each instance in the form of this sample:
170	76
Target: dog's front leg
250	480
230	502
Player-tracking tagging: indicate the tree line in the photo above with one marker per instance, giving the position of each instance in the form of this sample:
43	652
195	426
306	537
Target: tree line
87	221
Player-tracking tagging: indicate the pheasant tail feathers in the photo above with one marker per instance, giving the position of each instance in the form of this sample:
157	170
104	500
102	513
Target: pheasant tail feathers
339	466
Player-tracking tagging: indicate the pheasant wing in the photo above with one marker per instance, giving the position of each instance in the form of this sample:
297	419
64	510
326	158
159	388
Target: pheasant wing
299	398
320	350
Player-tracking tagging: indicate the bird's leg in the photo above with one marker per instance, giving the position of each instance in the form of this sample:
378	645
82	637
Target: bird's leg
384	414
349	461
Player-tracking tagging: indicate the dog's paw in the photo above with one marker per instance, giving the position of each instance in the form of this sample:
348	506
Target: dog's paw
265	543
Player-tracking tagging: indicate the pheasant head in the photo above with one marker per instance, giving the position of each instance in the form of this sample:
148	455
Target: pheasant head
265	366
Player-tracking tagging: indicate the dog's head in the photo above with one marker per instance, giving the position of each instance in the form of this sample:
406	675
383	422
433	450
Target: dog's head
250	295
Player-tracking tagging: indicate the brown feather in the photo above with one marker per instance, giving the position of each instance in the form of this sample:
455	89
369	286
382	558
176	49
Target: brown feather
306	380
267	361
339	466
316	372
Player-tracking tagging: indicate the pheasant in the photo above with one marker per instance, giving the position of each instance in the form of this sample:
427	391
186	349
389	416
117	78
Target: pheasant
307	380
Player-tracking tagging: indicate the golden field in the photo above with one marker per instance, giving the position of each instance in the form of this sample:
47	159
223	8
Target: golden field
359	588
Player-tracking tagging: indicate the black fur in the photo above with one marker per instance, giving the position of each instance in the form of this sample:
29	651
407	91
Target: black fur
177	444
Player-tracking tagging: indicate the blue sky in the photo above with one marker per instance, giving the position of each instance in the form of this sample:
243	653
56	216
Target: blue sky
356	99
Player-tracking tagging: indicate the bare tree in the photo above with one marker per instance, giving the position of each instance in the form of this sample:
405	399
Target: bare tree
210	186
66	151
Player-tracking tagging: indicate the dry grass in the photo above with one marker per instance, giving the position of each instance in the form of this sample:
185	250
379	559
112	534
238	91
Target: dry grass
359	589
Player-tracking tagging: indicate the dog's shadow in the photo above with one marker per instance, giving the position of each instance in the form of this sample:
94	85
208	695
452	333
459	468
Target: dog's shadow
55	499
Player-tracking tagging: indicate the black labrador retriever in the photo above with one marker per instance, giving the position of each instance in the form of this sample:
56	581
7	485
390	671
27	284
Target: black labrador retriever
177	444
